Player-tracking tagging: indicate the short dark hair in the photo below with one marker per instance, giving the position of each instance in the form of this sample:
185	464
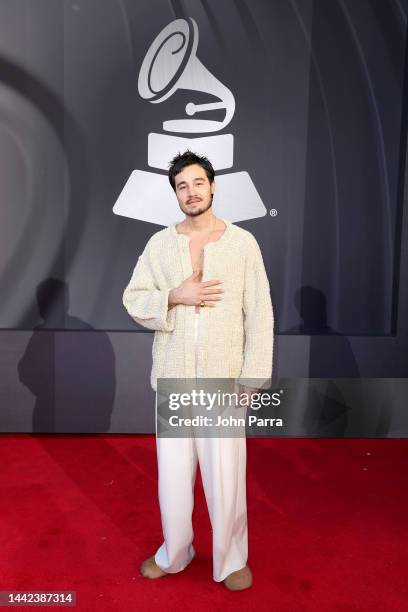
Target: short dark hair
181	160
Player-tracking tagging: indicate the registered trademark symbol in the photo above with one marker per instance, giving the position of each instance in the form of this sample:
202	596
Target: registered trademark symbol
273	212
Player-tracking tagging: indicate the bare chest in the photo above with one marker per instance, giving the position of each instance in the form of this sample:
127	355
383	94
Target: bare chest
197	249
197	253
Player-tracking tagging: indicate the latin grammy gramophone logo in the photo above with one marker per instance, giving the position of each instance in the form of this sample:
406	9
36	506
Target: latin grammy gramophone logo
170	64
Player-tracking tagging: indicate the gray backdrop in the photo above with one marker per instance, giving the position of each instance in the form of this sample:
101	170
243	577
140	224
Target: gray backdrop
320	125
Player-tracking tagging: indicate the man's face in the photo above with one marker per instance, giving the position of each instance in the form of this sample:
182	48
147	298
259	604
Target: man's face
193	190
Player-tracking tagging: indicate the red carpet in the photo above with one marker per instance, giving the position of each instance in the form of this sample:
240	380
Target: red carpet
328	525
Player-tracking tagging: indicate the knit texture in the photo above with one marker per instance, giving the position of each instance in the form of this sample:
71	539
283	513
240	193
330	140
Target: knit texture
235	338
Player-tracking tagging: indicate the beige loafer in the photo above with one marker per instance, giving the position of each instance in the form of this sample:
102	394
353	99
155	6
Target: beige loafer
239	580
150	569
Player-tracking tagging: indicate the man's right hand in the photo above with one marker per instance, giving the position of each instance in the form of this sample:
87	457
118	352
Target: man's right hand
191	291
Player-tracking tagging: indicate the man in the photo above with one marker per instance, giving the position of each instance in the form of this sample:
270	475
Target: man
202	286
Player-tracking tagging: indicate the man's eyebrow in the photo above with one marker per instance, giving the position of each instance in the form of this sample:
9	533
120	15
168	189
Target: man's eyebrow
199	178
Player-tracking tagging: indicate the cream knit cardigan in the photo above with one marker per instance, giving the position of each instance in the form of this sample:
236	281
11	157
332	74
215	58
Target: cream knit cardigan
235	337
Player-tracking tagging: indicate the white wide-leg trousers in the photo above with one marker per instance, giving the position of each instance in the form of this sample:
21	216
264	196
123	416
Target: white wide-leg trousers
223	472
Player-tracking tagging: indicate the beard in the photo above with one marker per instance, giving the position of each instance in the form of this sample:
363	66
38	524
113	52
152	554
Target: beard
198	211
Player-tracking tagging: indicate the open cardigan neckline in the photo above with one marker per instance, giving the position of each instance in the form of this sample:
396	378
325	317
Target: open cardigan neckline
223	236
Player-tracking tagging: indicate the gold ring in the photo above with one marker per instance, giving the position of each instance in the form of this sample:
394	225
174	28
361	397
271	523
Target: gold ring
202	303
